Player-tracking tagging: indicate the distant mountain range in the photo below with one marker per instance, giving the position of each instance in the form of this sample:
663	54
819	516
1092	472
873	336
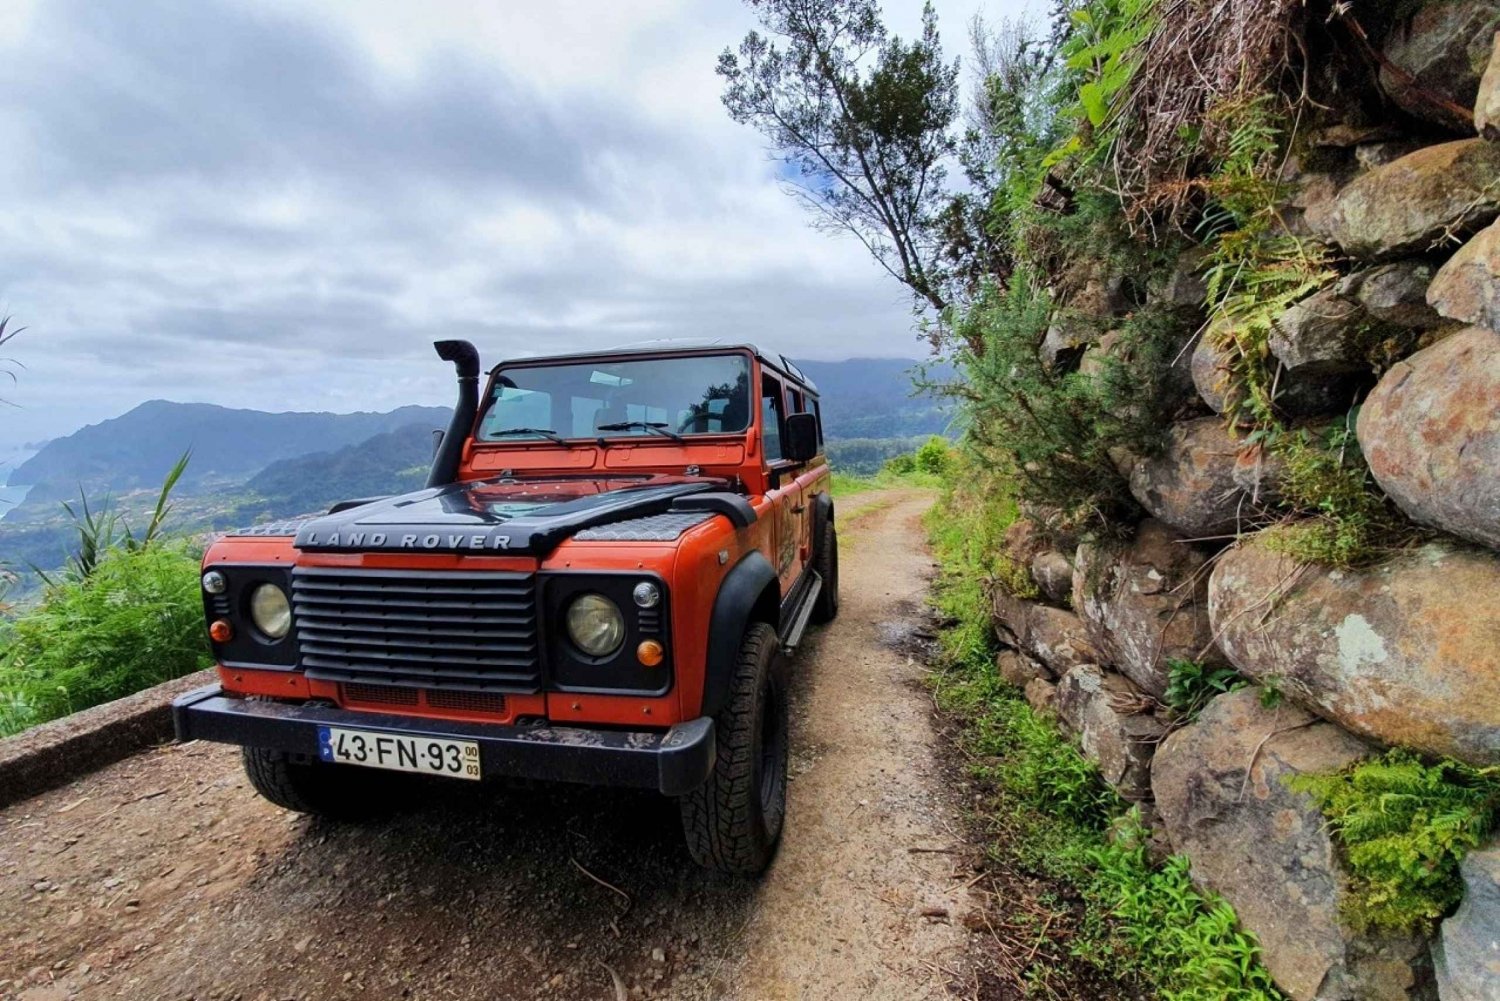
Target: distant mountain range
248	465
873	398
135	450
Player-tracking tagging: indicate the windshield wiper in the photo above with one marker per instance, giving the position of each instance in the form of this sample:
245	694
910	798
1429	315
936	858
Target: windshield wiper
547	433
656	426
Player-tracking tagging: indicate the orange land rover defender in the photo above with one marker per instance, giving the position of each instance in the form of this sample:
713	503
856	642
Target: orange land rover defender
598	583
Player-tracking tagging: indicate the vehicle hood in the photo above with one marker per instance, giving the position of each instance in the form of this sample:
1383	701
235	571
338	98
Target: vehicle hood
493	517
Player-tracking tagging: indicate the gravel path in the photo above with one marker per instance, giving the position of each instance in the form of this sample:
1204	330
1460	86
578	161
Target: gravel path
164	877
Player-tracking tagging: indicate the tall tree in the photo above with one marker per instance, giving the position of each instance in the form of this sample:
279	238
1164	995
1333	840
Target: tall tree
862	120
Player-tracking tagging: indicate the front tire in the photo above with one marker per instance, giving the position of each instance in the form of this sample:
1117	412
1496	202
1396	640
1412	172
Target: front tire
306	786
733	822
826	563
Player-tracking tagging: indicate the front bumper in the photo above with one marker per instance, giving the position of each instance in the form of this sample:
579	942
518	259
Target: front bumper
673	762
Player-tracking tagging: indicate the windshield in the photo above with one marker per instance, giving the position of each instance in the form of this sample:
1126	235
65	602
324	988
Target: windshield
639	397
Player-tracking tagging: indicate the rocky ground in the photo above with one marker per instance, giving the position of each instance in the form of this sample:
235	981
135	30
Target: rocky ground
165	877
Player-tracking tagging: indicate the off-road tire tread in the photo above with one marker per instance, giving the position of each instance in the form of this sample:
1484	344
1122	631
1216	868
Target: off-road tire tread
304	789
826	608
722	820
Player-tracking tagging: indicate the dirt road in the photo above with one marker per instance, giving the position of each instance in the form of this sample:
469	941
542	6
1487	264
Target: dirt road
165	877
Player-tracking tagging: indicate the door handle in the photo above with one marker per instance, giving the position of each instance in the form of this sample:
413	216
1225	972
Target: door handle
799	509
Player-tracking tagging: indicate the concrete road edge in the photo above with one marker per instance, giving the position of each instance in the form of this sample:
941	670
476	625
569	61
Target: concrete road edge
56	753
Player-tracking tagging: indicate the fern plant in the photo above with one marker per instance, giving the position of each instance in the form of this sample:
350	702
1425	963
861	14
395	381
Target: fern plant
1404	826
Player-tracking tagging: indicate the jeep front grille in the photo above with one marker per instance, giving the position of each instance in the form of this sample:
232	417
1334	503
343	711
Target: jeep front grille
428	629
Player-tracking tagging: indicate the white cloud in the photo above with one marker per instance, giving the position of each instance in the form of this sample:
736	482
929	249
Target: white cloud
280	204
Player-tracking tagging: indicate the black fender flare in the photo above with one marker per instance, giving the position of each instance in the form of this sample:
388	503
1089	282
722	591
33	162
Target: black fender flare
742	599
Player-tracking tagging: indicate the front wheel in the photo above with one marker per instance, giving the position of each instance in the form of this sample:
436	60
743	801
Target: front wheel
826	563
733	822
338	792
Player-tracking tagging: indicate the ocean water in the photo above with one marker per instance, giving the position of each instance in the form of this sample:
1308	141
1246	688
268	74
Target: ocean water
11	496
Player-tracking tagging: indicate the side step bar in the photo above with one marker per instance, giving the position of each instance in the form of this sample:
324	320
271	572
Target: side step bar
798	625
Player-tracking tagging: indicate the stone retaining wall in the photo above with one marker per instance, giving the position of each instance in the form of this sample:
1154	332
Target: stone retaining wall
1406	652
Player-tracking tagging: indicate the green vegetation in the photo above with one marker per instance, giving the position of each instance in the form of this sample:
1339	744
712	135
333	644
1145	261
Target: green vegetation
125	614
1051	812
923	466
135	620
1191	686
1403	826
1349	522
103	530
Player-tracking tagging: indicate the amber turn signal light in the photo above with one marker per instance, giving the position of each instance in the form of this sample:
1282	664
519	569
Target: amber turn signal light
221	631
650	653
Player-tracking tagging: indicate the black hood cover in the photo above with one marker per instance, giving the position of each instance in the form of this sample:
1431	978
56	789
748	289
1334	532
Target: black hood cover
494	517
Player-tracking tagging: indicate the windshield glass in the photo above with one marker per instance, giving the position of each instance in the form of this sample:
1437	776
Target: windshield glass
639	397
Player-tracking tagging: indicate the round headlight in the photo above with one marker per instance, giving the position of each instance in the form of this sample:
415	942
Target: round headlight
595	625
646	594
270	611
214	582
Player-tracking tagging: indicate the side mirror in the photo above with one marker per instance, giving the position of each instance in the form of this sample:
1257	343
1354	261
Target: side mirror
437	441
801	437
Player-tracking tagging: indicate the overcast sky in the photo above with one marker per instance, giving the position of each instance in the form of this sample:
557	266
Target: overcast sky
280	204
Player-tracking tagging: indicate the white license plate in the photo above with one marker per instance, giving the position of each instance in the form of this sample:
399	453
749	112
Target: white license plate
398	752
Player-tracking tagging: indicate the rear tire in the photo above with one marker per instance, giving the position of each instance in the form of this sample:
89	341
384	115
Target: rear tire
337	792
733	822
826	563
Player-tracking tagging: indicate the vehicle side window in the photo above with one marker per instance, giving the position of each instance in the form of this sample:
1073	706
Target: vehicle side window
818	412
772	411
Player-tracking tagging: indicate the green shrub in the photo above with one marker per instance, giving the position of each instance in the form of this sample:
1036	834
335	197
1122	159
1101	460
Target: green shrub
900	465
1191	686
134	621
1403	827
1057	816
934	457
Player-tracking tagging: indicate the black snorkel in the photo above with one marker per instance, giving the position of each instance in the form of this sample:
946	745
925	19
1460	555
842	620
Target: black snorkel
465	361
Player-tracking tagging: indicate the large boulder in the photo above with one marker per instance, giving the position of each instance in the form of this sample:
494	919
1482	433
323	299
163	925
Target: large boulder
1408	205
1053	636
1405	653
1041	695
1221	788
1185	287
1210	368
1066	340
1434	61
1113	723
1189	484
1394	293
1487	104
1430	430
1467	952
1322	335
1020	670
1054	575
1467	288
1144	603
1312	389
1024	539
